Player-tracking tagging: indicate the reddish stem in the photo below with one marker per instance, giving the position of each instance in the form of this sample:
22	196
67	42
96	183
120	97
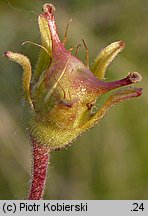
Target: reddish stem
39	171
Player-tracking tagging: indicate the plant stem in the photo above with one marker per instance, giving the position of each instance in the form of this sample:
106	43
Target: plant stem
39	171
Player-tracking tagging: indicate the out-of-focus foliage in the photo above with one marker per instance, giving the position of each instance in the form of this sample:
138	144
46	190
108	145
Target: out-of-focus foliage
111	160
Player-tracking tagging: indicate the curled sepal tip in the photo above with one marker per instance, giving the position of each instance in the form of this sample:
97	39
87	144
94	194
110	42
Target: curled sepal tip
105	57
116	97
25	63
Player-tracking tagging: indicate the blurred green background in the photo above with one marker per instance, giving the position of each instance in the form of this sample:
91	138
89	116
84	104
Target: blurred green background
111	160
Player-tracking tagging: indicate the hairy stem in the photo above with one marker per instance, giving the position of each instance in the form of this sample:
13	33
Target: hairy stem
39	171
